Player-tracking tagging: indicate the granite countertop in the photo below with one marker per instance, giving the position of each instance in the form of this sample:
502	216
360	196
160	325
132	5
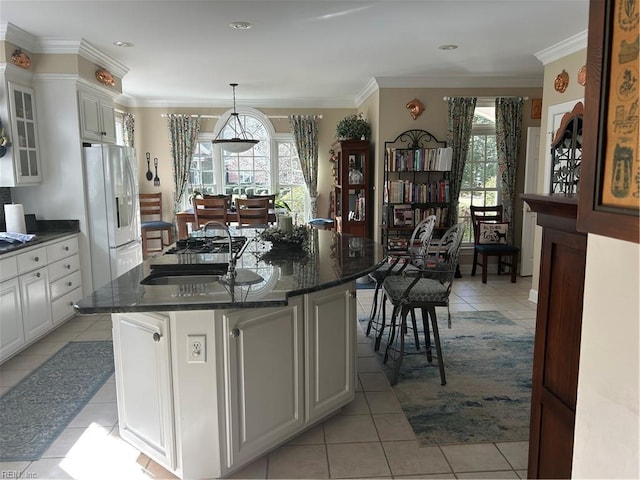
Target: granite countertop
47	230
329	259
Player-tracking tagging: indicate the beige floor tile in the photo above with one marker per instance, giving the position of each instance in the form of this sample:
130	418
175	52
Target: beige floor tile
516	453
364	350
357	460
156	471
408	458
358	406
374	382
434	476
489	475
383	402
14	469
368	364
12	377
106	394
256	469
48	468
393	426
24	361
64	443
479	457
314	435
91	335
522	474
104	414
350	428
298	461
44	347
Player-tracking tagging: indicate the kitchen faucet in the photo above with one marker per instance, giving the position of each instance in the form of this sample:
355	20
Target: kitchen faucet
231	269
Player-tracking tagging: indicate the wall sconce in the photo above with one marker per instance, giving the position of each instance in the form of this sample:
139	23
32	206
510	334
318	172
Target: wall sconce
415	107
105	77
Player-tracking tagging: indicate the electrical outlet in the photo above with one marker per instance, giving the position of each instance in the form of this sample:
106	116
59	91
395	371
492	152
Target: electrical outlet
196	348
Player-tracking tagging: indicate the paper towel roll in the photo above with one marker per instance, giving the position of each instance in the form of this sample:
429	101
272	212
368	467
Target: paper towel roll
14	218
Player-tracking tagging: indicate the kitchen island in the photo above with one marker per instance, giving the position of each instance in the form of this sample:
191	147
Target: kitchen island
211	375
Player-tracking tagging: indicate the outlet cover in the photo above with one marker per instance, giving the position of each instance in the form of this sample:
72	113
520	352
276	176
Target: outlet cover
196	348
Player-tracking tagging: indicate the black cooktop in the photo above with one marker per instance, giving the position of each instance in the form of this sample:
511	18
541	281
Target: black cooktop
215	244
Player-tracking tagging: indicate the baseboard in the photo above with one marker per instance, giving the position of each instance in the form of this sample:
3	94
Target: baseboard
533	296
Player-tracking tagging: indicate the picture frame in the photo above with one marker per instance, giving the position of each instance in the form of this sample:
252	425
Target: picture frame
609	197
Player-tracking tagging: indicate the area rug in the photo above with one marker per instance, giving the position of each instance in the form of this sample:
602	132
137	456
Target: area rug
488	363
35	411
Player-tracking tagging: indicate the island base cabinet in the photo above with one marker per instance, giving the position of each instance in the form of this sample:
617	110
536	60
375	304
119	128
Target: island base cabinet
264	371
330	345
143	383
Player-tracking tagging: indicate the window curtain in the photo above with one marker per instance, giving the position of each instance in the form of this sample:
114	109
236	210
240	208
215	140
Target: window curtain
183	134
460	123
128	121
508	128
305	136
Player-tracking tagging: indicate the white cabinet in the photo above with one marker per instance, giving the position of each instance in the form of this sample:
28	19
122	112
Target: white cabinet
330	344
65	287
21	164
263	370
97	117
36	307
11	332
143	382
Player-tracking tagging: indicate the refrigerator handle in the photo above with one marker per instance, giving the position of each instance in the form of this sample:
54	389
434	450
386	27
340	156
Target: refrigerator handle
118	212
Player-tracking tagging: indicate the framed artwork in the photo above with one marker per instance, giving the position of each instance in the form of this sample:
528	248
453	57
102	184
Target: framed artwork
609	198
536	108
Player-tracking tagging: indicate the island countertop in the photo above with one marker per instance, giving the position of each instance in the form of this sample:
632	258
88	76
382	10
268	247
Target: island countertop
328	259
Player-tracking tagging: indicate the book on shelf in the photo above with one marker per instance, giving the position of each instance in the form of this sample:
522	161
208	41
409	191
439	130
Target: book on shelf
419	160
402	215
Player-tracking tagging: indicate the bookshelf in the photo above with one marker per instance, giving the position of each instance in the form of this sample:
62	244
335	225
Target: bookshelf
416	184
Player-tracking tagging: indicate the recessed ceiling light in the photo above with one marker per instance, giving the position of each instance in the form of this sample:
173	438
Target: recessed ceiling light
448	47
123	44
241	25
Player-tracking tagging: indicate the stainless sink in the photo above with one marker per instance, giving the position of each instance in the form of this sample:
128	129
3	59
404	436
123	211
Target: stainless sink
181	278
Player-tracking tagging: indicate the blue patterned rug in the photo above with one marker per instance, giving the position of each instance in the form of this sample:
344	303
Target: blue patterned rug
488	363
38	409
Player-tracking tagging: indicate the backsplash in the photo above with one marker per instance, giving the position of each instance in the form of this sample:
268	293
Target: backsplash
5	197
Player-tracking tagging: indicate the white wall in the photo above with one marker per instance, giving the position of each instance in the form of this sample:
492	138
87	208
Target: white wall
607	417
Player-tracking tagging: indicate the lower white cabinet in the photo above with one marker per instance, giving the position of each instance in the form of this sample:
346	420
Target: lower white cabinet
263	370
11	332
260	377
36	307
143	382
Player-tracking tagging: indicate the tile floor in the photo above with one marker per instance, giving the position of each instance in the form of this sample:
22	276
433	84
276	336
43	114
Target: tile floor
370	438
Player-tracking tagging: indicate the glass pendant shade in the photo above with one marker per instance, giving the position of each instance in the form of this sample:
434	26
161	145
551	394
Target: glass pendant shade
240	143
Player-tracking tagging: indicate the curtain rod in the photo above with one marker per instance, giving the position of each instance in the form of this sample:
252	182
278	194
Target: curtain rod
491	98
283	117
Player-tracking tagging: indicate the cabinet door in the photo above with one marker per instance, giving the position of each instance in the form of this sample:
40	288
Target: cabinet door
108	120
330	342
11	333
25	135
263	371
143	383
97	120
36	308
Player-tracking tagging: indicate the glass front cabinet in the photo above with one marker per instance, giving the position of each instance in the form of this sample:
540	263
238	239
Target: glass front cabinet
352	189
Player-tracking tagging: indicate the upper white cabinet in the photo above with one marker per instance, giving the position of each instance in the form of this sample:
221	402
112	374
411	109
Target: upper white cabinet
21	164
97	117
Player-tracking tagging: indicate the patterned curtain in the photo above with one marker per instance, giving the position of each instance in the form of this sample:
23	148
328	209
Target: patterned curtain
305	136
460	123
127	128
508	127
183	133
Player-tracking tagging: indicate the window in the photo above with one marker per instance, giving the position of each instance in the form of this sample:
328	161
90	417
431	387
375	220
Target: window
119	128
480	185
252	172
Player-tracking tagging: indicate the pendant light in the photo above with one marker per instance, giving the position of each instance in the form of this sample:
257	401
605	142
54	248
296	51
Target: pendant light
240	143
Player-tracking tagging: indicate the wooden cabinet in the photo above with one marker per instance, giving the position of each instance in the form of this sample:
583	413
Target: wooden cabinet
353	189
330	345
97	117
556	355
21	164
264	372
416	185
143	383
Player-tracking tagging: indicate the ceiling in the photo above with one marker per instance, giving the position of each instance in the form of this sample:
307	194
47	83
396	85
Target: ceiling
304	52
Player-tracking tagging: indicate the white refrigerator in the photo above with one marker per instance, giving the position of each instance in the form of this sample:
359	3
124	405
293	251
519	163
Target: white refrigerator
113	211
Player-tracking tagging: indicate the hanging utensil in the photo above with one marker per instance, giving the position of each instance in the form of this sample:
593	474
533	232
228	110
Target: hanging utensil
149	174
156	181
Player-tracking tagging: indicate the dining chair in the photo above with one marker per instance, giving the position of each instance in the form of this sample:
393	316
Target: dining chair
151	223
211	207
424	287
490	235
252	212
417	251
271	197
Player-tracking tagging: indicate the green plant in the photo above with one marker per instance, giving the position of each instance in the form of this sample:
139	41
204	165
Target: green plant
353	126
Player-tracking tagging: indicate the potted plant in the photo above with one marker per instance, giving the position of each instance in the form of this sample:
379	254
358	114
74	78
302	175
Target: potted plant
353	127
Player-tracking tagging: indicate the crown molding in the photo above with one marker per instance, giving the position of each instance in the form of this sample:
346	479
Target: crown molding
563	48
19	37
371	87
50	45
130	101
462	81
16	74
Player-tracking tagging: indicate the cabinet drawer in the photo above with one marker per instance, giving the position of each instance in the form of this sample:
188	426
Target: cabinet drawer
8	268
62	308
62	249
32	260
65	285
64	267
